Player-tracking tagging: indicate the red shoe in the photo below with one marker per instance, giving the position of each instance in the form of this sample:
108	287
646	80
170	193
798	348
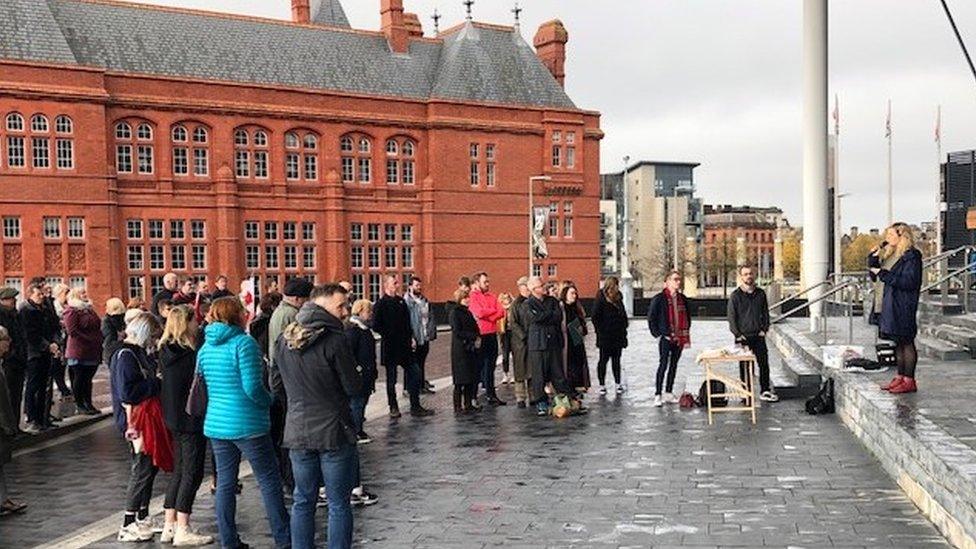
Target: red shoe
894	383
907	386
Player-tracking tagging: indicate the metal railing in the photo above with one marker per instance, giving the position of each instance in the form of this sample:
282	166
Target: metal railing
803	292
854	285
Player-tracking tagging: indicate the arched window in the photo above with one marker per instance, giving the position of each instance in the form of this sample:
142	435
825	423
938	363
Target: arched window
189	155
63	125
16	153
134	153
357	163
15	122
39	124
301	156
400	167
251	156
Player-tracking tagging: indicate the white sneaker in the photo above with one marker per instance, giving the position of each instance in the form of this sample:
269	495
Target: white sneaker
603	389
769	396
657	401
670	398
620	389
169	531
133	533
186	537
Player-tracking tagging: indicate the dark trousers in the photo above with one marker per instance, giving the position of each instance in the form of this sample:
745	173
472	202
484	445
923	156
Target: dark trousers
547	367
506	340
57	374
669	354
190	456
757	344
142	474
613	357
488	355
35	394
420	357
411	380
464	395
81	382
15	374
278	412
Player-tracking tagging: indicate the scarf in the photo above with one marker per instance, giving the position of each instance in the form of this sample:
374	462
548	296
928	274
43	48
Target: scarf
678	320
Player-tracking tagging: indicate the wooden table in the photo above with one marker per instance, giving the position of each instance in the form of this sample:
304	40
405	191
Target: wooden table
735	389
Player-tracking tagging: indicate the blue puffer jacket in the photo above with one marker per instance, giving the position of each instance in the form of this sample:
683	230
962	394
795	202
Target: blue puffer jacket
237	402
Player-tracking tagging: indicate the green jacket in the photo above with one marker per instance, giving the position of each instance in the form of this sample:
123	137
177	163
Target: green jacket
283	316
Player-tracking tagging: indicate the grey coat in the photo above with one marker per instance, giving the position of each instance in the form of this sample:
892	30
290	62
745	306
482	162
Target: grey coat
417	305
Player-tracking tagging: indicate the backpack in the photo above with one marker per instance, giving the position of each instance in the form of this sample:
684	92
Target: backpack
862	364
823	401
686	401
717	388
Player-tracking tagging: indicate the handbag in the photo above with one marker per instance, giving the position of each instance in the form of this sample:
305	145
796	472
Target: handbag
575	330
196	401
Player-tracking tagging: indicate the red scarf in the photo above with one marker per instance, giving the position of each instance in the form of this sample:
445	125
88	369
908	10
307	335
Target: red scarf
147	419
678	320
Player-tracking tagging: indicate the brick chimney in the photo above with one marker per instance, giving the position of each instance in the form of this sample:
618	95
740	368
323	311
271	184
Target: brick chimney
412	22
394	25
300	11
550	46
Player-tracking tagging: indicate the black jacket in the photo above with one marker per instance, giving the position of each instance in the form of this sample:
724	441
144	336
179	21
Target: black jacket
391	319
518	324
362	344
319	374
39	330
161	295
657	315
545	318
464	357
178	365
112	326
259	331
748	313
610	322
10	320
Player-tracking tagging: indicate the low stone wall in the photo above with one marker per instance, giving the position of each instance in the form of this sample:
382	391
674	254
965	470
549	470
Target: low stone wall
936	470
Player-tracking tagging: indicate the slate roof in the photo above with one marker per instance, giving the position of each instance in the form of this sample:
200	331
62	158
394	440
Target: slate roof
329	13
473	63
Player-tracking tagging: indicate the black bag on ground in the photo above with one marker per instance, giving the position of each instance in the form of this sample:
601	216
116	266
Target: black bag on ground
823	401
717	388
862	363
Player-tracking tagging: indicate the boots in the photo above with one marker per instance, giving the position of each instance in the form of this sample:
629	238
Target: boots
907	385
458	409
893	383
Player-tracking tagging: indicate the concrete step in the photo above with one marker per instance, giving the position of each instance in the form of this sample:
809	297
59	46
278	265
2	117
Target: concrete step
940	350
957	335
932	306
793	378
965	320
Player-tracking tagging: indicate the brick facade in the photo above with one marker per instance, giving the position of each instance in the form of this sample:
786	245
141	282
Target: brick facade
238	170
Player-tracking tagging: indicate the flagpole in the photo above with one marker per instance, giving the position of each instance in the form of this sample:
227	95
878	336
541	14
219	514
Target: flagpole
891	217
838	263
943	289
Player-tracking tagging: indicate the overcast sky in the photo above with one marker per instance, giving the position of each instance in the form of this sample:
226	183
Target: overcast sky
719	82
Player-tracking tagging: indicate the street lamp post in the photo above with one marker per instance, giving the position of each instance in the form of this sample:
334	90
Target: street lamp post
838	233
626	279
532	180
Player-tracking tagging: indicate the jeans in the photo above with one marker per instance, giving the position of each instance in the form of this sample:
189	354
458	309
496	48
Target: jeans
420	357
488	356
57	374
81	382
190	453
259	451
35	395
612	356
411	381
142	474
669	354
278	415
757	344
357	405
336	469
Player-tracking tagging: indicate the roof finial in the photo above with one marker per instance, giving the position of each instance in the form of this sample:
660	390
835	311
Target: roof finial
518	12
437	21
467	5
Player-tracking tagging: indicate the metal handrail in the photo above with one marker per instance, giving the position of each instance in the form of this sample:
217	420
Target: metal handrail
944	255
953	274
823	297
805	291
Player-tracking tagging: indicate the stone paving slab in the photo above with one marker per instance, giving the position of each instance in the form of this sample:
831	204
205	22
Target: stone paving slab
625	475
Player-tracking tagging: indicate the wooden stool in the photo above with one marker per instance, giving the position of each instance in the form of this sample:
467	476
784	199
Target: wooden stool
735	388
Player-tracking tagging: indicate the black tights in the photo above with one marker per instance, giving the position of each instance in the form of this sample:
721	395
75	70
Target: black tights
907	358
612	356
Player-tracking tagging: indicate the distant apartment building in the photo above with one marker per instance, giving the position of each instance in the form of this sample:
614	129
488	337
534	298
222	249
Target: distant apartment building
739	235
665	221
958	192
609	238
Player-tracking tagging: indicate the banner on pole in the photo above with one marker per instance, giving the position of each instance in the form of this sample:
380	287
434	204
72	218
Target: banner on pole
540	215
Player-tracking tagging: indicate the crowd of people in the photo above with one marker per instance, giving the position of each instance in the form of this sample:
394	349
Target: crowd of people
287	388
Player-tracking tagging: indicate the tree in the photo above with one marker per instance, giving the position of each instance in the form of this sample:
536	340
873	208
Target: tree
854	256
653	264
791	258
720	258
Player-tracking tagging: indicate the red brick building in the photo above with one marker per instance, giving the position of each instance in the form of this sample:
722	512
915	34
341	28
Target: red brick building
136	140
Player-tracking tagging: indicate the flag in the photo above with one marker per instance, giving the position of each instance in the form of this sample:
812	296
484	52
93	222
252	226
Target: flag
540	222
888	121
938	125
246	296
836	115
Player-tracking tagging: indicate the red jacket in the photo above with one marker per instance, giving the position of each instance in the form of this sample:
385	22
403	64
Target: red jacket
486	310
84	331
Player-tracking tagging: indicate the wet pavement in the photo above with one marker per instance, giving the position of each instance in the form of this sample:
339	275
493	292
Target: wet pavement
626	474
